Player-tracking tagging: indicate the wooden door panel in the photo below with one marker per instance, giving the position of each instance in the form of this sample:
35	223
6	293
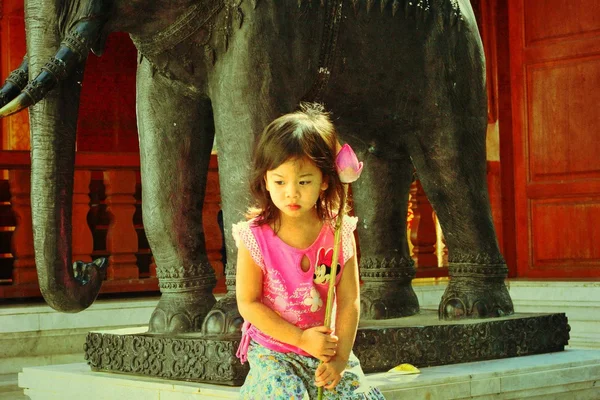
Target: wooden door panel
566	237
555	76
545	20
15	129
564	120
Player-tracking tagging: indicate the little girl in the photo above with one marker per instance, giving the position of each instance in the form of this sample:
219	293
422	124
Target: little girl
284	258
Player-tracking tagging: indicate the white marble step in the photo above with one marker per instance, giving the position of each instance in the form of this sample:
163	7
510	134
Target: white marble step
40	317
572	374
8	382
32	335
9	388
16	395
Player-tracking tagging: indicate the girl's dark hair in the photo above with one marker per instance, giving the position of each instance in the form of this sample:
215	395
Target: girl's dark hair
307	133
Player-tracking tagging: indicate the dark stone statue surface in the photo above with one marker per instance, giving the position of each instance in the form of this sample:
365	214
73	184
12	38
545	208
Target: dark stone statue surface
184	357
404	80
420	340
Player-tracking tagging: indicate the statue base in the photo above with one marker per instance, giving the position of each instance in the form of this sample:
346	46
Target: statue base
425	341
421	340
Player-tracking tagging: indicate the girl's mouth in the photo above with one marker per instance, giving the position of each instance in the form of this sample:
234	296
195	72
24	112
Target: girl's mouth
294	207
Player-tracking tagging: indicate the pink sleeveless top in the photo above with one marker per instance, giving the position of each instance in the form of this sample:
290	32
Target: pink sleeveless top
297	296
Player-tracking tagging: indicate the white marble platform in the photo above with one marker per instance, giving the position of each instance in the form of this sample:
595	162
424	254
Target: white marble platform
36	335
9	390
32	335
572	374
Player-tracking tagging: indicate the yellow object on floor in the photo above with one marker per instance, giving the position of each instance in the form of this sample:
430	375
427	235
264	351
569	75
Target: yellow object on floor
405	369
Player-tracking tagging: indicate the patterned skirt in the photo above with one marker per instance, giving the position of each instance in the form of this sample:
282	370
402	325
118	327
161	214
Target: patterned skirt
274	375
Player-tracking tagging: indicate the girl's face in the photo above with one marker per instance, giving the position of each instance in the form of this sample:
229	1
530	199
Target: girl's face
295	187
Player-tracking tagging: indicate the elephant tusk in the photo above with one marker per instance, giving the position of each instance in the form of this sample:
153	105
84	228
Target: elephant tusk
21	102
72	52
15	82
52	72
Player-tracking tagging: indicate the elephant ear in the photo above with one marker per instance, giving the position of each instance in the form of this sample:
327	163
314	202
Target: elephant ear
66	10
72	12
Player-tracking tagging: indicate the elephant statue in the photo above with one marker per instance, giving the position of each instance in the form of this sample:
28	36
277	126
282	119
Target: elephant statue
404	80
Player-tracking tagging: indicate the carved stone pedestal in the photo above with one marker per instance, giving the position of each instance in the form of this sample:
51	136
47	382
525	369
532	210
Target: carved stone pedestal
421	340
425	341
186	357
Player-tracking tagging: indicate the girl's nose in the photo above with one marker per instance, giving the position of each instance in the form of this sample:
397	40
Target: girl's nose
292	191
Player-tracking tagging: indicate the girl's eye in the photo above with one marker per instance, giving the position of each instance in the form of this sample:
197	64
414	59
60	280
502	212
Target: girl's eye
279	183
304	183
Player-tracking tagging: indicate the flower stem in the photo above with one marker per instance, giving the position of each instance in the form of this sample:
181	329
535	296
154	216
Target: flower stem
333	271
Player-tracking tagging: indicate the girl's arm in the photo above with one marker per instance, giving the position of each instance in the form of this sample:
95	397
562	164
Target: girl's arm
315	341
348	307
346	324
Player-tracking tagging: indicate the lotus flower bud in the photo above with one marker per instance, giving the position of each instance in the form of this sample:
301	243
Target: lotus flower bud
347	164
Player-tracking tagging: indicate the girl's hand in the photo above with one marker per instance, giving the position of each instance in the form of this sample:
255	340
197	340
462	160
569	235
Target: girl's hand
319	342
329	374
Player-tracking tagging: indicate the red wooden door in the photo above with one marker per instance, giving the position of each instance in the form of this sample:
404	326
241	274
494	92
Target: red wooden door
15	129
555	82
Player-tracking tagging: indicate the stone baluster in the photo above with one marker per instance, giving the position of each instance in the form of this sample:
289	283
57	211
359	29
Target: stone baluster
121	238
444	252
422	235
22	239
152	267
83	242
440	246
210	220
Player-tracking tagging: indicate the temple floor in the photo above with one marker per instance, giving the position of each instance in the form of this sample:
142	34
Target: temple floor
571	374
35	335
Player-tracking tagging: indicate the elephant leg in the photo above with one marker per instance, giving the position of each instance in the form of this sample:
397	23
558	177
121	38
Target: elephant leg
237	122
252	82
448	150
176	135
380	198
450	163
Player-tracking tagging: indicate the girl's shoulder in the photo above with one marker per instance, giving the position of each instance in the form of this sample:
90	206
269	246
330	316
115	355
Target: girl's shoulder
243	233
348	228
242	228
348	223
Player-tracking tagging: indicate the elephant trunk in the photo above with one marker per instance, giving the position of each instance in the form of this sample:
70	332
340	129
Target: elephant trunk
53	123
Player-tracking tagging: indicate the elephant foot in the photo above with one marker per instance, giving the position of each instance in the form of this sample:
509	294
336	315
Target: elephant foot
224	320
180	312
386	292
476	291
387	301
